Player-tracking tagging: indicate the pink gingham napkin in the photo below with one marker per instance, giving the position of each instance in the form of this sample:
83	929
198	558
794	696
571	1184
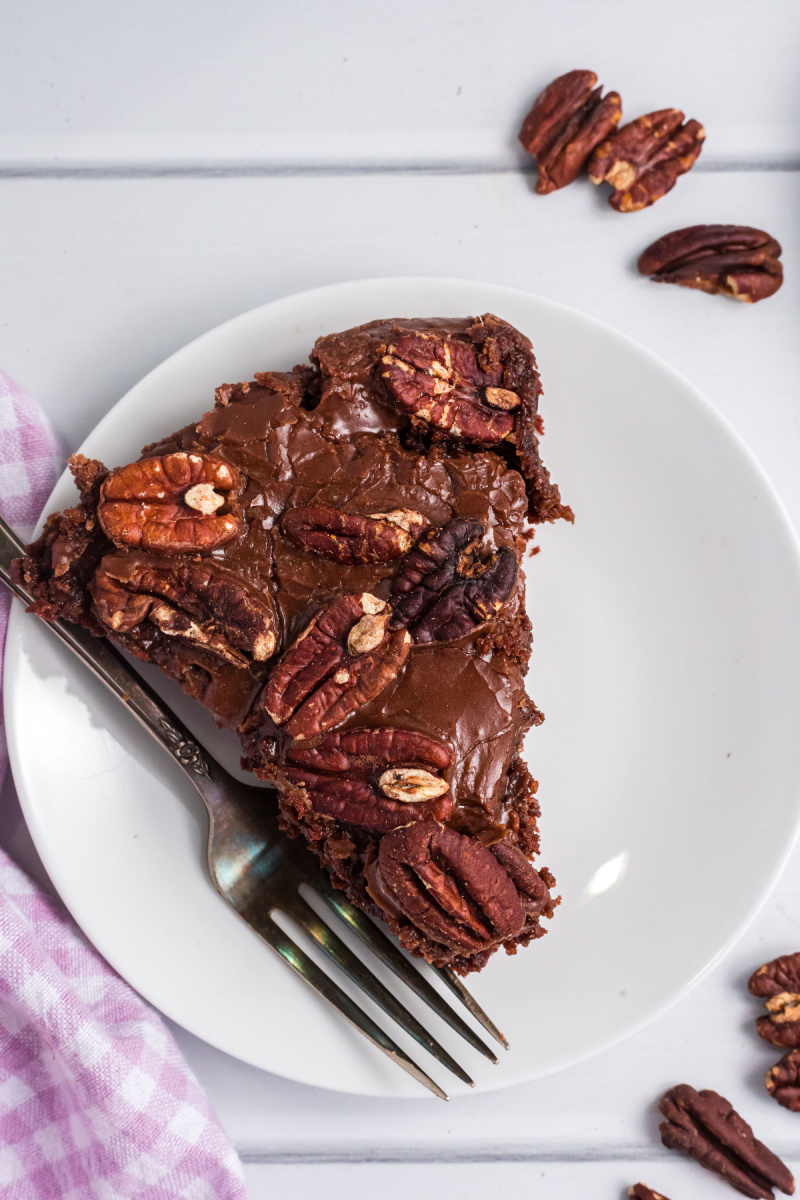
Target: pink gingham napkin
95	1098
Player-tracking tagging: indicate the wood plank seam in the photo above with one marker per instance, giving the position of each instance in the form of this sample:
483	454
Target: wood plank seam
204	171
367	1157
573	1154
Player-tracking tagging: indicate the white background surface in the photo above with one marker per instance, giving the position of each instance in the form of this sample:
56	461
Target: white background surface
167	166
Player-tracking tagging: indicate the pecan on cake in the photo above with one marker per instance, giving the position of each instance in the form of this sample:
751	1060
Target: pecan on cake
454	383
331	564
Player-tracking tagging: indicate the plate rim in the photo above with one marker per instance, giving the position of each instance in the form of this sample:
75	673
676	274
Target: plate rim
724	427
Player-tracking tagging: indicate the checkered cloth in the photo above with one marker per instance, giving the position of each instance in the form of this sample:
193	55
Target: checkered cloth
95	1098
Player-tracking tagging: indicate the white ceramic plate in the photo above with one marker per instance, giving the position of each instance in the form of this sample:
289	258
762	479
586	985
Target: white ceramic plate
667	660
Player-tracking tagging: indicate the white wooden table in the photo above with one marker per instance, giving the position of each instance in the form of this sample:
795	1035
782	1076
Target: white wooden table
164	167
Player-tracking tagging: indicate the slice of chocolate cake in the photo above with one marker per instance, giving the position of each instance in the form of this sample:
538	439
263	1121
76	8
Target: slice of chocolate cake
334	572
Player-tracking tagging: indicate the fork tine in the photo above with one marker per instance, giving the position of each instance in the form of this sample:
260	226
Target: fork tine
469	1001
391	957
263	924
332	945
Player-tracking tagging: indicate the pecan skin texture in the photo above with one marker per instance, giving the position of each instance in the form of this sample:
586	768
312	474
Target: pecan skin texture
341	774
705	1126
778	982
567	121
444	382
735	260
783	1081
443	591
779	975
191	599
640	1191
449	886
174	504
353	538
532	891
644	159
317	683
782	1026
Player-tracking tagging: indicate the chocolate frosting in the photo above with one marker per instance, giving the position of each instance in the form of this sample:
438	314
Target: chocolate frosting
474	700
350	400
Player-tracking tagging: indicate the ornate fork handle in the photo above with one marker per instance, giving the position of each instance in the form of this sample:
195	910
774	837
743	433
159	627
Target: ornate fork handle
112	670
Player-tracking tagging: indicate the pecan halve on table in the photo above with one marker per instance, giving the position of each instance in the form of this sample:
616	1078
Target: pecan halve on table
705	1126
450	384
343	659
175	504
352	538
191	599
644	159
567	121
778	982
640	1191
376	779
736	260
783	1081
449	886
443	589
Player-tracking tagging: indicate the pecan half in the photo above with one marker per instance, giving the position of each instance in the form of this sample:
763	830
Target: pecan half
190	599
737	260
175	504
778	982
318	682
705	1126
449	384
779	975
533	892
567	121
782	1026
640	1191
783	1081
374	778
443	590
449	886
352	538
644	159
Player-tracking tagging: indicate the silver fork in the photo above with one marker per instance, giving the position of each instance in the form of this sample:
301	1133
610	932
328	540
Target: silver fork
258	870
